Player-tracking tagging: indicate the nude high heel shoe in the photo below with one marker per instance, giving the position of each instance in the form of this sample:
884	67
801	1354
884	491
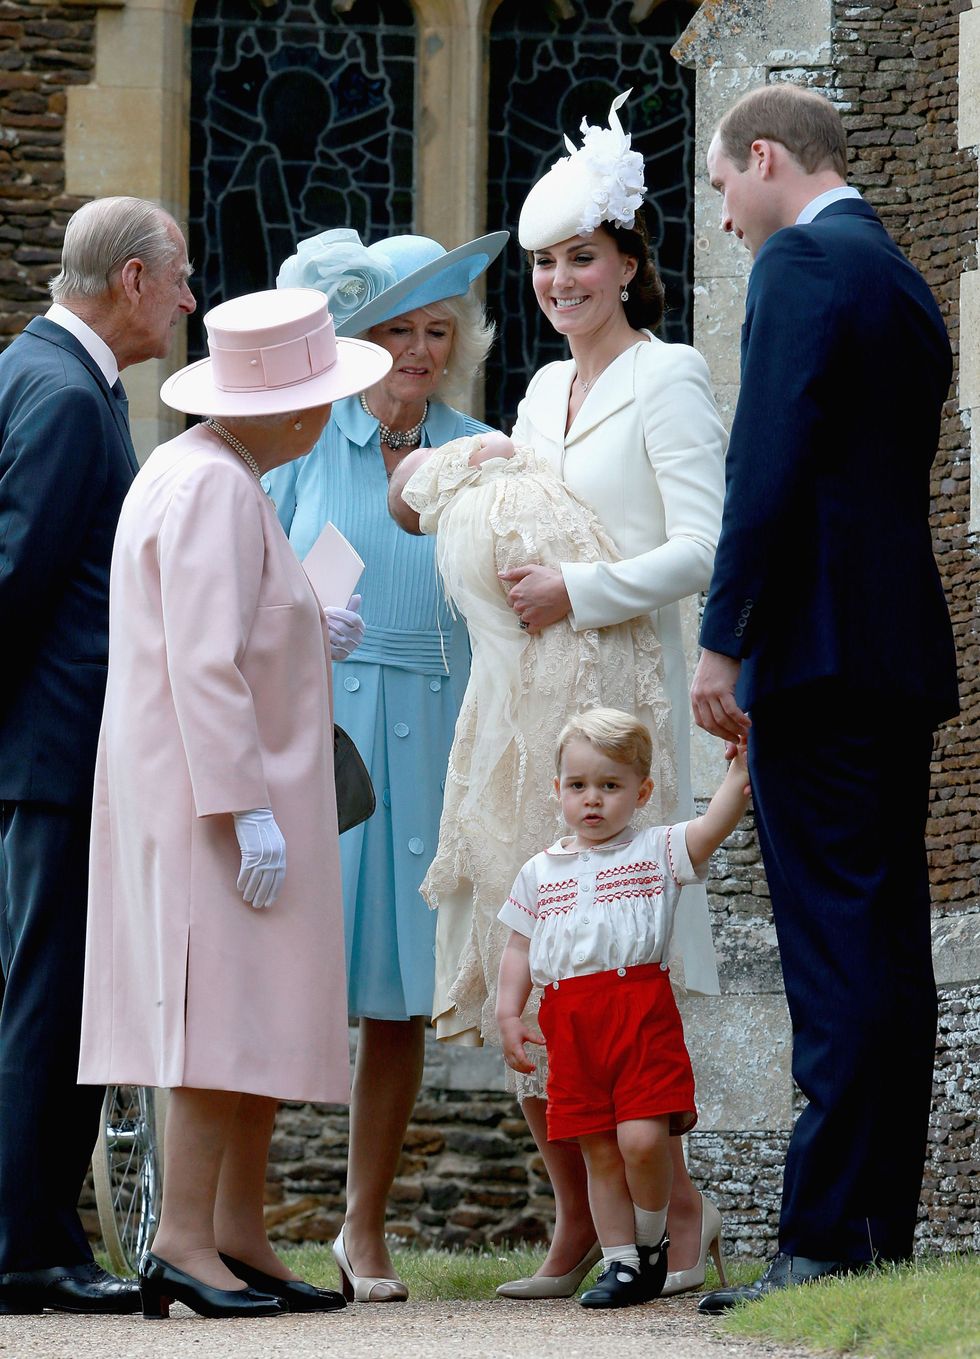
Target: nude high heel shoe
683	1280
362	1287
553	1285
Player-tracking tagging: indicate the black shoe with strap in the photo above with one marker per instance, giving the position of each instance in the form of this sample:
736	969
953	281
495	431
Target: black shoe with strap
653	1267
84	1287
618	1285
784	1271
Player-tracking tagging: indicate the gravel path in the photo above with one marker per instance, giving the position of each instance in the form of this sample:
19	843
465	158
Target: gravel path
415	1330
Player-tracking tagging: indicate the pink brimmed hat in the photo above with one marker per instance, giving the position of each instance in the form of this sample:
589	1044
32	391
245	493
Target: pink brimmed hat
271	353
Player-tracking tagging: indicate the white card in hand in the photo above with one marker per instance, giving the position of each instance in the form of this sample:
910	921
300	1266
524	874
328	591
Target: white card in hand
333	568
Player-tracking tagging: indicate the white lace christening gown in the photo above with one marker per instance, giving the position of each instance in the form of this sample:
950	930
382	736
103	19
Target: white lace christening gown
500	807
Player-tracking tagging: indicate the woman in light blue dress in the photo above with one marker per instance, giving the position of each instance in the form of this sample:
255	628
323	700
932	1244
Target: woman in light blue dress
398	694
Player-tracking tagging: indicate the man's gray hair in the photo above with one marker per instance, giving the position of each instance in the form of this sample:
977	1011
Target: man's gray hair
101	236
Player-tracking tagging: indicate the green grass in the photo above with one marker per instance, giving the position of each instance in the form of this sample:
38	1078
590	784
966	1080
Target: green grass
929	1310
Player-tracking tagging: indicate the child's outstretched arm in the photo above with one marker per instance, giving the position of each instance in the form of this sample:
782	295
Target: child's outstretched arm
513	989
725	810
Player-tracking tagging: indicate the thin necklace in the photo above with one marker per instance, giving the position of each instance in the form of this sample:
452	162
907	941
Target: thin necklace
396	438
241	450
586	385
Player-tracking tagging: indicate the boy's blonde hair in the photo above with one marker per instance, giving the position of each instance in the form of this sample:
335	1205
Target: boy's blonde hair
618	735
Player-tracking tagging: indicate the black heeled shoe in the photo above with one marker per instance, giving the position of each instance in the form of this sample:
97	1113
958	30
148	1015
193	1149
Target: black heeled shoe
298	1295
162	1283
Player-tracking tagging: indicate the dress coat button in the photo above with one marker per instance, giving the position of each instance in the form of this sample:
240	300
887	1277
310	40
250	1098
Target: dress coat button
435	685
415	845
352	684
401	728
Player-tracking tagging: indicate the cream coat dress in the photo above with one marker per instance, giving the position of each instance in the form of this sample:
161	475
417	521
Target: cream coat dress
218	701
646	454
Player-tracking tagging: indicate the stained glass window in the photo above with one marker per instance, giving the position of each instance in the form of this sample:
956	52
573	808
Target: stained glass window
547	74
301	119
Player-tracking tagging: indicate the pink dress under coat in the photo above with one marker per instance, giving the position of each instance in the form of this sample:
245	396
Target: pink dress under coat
218	701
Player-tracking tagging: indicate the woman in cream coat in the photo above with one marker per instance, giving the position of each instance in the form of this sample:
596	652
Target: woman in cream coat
631	426
214	958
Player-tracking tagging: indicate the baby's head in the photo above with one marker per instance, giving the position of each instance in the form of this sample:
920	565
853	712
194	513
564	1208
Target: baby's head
603	772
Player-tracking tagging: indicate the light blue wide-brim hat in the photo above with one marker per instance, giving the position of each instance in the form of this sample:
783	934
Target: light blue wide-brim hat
366	285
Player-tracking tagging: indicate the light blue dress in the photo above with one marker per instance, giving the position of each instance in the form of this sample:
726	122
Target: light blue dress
397	696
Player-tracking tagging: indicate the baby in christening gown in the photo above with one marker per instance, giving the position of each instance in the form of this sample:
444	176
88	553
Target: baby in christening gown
494	507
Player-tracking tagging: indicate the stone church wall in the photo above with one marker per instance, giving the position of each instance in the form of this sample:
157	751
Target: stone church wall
469	1173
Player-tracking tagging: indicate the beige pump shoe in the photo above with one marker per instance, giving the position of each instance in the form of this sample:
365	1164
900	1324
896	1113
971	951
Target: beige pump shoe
553	1285
683	1280
364	1288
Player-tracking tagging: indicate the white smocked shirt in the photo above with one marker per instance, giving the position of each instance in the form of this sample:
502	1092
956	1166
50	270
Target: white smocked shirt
600	909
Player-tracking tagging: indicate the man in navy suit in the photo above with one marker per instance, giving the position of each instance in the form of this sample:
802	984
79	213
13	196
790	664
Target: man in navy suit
66	462
826	632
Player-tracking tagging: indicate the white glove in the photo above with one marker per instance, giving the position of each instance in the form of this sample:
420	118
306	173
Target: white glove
346	628
263	856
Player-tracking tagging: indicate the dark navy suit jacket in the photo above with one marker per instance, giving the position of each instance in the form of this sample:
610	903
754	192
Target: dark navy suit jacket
825	564
66	463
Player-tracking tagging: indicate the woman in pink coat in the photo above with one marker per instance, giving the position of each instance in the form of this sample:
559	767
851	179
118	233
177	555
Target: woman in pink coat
214	958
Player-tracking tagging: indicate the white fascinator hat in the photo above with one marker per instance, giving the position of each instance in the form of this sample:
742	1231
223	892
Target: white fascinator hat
599	181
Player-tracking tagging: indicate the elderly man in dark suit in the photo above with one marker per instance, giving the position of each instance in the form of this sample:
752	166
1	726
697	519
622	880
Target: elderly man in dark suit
66	462
827	632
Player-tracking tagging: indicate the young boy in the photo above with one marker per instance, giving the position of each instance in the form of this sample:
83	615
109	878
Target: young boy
590	921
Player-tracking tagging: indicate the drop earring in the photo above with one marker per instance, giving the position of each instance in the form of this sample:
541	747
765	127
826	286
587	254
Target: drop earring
625	295
298	424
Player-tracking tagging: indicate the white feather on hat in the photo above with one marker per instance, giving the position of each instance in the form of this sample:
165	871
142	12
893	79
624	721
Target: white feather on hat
600	181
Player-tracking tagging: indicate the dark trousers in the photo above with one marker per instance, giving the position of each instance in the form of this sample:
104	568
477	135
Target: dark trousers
841	782
48	1123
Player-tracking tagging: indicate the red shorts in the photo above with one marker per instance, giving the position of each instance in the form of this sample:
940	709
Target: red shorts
615	1052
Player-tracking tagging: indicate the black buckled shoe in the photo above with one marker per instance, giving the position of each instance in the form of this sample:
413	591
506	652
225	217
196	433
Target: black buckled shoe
784	1271
298	1295
84	1287
618	1285
653	1267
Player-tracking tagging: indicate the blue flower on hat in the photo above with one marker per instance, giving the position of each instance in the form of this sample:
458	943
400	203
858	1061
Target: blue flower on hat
337	263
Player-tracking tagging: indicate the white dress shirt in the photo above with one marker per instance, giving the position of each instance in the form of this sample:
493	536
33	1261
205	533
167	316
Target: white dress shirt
93	344
824	200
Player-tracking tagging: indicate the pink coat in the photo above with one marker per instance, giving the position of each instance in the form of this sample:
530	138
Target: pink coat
218	701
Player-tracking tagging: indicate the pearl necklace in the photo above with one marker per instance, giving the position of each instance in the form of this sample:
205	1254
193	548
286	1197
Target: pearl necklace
237	445
396	438
242	452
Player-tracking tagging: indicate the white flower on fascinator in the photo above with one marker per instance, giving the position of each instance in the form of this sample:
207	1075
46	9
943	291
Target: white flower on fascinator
337	264
616	172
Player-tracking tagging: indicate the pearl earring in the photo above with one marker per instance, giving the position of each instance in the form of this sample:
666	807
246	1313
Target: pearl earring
625	295
298	424
445	372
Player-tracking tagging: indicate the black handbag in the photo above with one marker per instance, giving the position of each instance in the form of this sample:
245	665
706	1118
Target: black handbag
355	791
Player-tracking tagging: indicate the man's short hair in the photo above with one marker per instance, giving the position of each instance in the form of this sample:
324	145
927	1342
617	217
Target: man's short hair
101	236
806	123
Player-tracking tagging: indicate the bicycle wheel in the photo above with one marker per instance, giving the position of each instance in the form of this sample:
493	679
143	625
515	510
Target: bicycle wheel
127	1171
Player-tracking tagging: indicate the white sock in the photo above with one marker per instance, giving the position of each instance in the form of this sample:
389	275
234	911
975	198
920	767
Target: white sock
621	1255
650	1227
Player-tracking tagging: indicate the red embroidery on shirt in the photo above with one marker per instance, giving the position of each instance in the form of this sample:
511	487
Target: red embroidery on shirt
642	879
557	897
670	856
512	901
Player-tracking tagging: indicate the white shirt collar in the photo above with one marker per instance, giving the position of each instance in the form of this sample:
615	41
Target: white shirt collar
824	200
562	846
93	344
